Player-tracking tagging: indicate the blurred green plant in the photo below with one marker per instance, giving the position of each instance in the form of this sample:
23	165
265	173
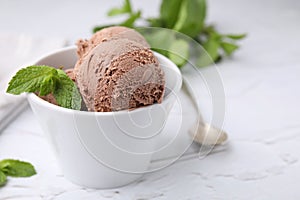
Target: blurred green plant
184	16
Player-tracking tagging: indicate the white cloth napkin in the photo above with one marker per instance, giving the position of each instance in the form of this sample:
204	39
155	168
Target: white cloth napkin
18	51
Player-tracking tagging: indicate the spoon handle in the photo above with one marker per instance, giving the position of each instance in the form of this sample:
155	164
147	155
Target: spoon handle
203	133
187	89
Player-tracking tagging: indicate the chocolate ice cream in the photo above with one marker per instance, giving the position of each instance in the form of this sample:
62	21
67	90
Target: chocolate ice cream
84	46
116	70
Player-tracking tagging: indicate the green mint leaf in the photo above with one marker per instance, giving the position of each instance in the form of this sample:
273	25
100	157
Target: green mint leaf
211	32
46	80
169	10
116	11
66	92
16	168
211	46
229	48
48	85
155	22
191	17
236	36
209	29
126	8
187	17
131	20
33	79
159	40
3	178
179	52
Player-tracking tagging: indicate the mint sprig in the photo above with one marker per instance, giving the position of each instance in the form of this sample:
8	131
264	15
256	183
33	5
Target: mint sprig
3	178
191	17
45	80
125	9
187	17
33	79
15	168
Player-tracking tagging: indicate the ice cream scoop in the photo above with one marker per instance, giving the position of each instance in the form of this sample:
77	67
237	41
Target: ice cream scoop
116	70
120	74
84	46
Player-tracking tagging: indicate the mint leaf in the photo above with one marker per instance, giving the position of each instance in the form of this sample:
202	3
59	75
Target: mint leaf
66	92
164	42
155	22
229	48
224	42
46	80
211	46
131	19
48	85
236	36
212	52
191	17
126	8
179	52
160	40
33	79
17	168
187	17
169	10
3	178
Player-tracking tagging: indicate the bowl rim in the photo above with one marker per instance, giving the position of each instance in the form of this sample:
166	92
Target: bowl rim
33	97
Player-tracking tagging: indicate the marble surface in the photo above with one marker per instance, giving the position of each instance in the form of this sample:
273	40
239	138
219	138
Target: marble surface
261	83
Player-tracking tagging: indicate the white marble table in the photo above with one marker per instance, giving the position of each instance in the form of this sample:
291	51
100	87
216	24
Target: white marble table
261	84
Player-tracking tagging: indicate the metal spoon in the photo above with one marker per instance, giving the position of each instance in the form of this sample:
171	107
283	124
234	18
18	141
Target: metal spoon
202	132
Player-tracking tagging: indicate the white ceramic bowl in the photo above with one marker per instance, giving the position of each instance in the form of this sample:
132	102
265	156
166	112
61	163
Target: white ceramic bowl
104	149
